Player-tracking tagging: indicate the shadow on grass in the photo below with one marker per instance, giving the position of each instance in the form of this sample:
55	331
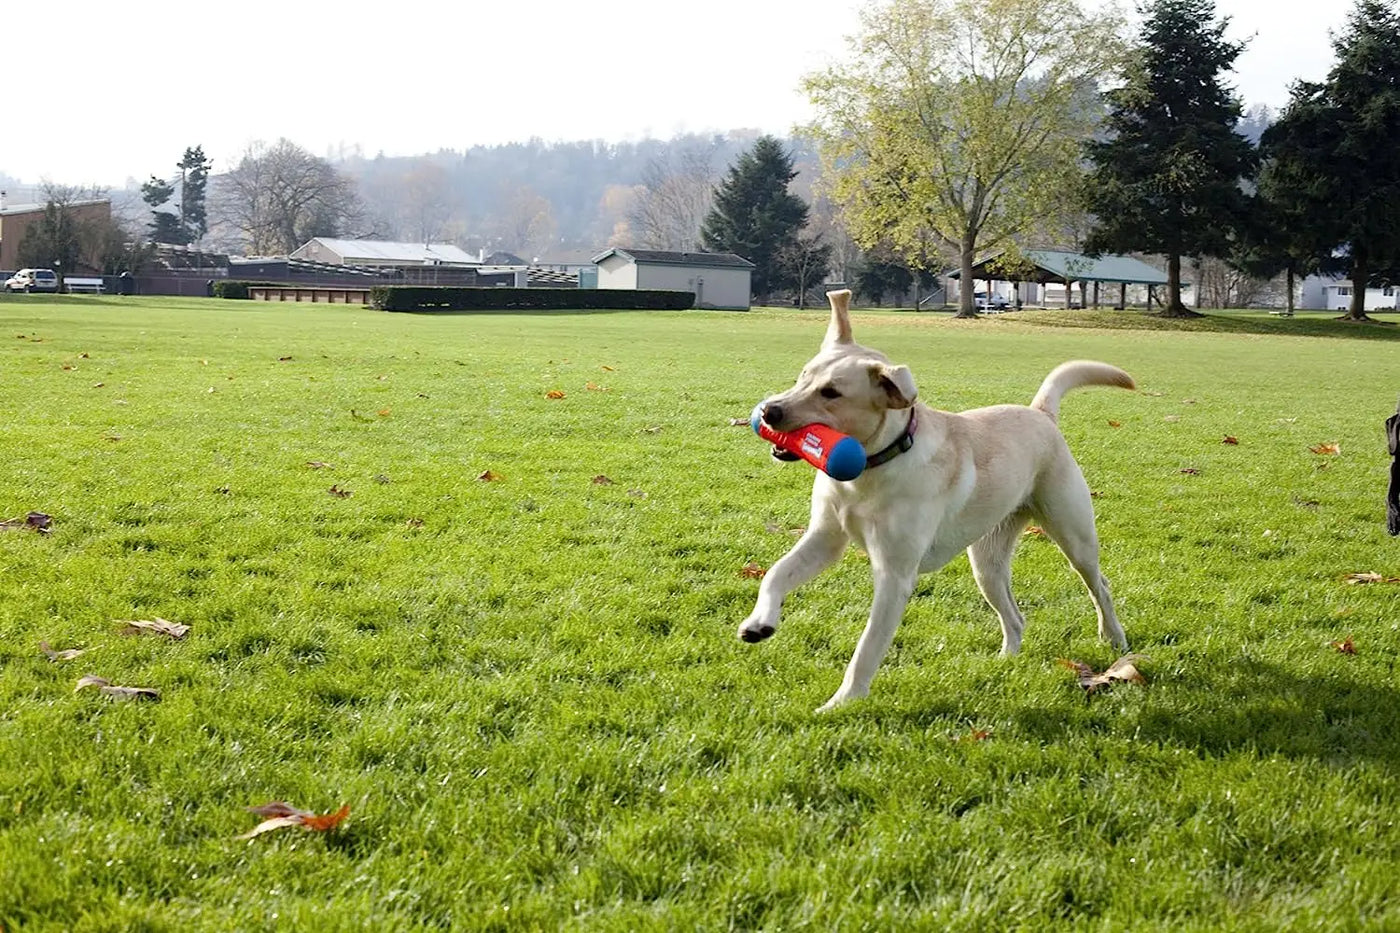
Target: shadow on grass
1305	324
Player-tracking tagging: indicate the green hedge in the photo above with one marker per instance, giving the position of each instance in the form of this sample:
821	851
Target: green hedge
451	298
234	288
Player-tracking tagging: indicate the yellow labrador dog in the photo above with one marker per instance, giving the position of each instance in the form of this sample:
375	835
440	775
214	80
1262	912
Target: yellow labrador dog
935	482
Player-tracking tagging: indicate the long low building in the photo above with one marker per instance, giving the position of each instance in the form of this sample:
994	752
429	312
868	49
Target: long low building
721	281
1048	277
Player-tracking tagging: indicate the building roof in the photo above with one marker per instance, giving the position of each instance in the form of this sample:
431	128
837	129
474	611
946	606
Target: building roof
664	258
32	208
388	251
1050	265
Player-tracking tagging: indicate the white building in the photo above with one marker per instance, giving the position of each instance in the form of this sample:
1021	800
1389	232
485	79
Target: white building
381	253
1320	292
719	280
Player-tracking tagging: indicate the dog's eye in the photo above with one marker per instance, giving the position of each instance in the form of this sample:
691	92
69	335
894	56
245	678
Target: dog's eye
830	392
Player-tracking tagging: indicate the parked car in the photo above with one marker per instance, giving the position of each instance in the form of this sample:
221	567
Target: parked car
32	280
997	303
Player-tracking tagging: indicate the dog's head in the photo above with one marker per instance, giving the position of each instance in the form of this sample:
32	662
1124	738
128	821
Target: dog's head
845	386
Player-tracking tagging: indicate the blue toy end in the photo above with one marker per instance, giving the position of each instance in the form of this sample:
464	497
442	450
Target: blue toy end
847	459
756	417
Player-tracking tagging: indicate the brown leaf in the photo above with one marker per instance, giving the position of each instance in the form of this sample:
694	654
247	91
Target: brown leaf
157	626
359	417
340	493
114	438
1345	646
223	490
1115	424
415	523
1171	418
1123	669
1190	471
283	359
1188	401
382	479
1035	531
83	356
488	476
1095	494
594	387
67	368
1230	439
319	465
601	480
67	654
554	393
654	429
1331	449
115	692
1370	577
281	815
36	520
608	369
736	422
98	385
752	570
384	412
636	494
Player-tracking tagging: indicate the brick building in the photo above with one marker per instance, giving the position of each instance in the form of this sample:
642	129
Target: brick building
15	221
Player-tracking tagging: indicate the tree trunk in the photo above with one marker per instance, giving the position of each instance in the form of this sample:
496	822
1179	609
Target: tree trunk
966	284
1122	296
1360	274
1288	277
1174	307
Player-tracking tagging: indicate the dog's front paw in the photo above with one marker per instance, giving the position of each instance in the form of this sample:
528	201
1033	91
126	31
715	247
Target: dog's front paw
841	698
754	629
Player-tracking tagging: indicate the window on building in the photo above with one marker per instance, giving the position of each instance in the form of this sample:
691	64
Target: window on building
1343	289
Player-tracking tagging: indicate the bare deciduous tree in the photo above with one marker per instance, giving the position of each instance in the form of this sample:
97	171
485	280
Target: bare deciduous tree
279	197
525	224
675	196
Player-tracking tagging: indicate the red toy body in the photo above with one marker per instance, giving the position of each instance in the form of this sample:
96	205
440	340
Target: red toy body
838	455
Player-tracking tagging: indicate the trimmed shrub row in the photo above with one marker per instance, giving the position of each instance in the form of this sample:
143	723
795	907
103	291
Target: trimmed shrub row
453	298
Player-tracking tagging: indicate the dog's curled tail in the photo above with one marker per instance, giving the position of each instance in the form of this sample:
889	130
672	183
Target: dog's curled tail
1072	375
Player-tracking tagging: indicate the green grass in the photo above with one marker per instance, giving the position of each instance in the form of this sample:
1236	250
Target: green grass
534	701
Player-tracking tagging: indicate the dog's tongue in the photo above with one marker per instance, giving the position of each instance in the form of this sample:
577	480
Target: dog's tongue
787	455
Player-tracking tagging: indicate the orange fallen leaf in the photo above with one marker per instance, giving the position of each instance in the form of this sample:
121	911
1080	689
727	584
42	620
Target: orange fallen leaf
752	570
608	369
1345	646
115	692
594	387
1331	449
1035	531
1123	669
1230	439
554	393
340	493
383	412
488	476
601	480
156	626
1115	424
280	815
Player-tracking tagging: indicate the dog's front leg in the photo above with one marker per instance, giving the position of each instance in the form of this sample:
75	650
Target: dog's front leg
818	547
894	584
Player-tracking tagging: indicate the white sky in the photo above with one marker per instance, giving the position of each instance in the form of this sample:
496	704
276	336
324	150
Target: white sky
119	94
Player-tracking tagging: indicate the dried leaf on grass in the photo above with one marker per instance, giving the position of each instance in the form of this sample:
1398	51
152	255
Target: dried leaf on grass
488	476
1331	449
156	626
594	387
415	523
340	493
608	369
752	570
1345	646
738	422
384	412
1123	669
637	493
1171	418
1115	424
67	654
115	692
601	480
1035	531
654	429
359	417
319	465
1230	439
1190	471
554	393
280	815
1370	577
36	520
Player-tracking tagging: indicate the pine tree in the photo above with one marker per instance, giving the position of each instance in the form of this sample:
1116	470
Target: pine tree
165	226
1166	179
756	217
1333	158
194	180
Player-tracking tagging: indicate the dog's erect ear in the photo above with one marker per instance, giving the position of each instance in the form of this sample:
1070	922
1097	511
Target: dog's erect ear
839	330
896	382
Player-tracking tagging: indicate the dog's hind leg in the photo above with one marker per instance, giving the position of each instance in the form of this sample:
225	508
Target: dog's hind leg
1066	512
991	568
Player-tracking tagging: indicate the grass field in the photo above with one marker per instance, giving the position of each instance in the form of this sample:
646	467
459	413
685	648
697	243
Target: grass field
529	690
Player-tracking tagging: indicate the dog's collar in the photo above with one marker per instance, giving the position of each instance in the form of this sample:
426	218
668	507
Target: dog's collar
900	445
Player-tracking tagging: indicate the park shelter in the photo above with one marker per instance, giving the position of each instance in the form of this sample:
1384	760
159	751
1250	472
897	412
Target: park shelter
719	280
1046	267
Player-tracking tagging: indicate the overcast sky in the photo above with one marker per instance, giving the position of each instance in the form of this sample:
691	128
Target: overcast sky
118	90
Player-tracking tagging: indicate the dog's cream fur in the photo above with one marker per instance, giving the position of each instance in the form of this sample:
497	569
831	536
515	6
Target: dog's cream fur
972	479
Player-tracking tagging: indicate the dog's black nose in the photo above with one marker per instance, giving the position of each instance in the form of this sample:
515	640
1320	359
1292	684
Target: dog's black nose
750	636
772	415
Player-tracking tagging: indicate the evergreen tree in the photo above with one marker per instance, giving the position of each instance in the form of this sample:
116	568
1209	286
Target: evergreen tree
756	217
165	225
194	180
1333	158
1166	177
